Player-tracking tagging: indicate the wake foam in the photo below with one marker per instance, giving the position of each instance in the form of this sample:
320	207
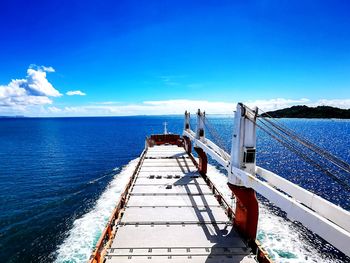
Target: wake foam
86	231
280	237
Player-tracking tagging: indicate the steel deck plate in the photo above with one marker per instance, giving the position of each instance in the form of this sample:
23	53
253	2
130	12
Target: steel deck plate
181	259
183	169
166	173
172	215
173	200
179	189
169	179
172	236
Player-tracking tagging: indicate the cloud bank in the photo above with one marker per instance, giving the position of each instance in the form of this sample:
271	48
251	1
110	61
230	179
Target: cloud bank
33	90
75	92
178	106
33	96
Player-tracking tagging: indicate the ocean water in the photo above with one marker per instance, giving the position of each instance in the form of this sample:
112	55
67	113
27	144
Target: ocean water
60	179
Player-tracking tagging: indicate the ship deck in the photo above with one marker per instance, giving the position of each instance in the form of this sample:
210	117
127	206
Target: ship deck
172	215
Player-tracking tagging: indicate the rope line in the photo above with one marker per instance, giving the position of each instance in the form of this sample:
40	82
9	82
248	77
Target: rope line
306	158
213	132
335	160
329	164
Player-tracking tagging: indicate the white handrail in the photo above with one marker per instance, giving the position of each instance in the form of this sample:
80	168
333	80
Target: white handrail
329	221
321	206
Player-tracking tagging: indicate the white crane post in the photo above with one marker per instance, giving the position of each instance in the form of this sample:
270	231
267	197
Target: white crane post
243	157
187	141
165	127
187	121
243	148
200	133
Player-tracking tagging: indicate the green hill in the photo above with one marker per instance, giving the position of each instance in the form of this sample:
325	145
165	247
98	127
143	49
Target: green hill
302	111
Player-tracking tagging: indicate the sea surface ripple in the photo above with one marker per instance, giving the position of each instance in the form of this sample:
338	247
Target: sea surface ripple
60	179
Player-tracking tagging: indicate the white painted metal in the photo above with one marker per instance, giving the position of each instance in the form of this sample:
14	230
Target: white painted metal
321	206
165	127
327	220
296	211
200	133
244	137
187	121
209	147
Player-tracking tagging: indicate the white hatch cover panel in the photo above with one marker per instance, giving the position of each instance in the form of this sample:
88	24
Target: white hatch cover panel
173	216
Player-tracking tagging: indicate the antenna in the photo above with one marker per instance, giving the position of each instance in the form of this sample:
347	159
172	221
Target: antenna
165	127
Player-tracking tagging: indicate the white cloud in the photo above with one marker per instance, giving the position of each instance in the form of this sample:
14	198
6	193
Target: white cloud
149	108
37	84
75	92
48	69
54	109
339	103
178	106
275	104
171	80
280	103
33	90
42	68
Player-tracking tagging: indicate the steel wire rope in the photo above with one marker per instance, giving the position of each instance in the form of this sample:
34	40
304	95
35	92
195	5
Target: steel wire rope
300	150
288	137
335	160
323	158
216	137
320	160
332	158
292	148
290	141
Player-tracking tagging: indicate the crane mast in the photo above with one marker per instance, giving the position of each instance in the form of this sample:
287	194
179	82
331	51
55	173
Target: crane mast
329	221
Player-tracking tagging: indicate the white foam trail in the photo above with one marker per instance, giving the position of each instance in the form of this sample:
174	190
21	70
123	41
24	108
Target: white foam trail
84	234
280	237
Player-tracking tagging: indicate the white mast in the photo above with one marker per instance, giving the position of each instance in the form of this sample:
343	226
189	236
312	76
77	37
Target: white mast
243	142
165	127
329	221
200	134
187	121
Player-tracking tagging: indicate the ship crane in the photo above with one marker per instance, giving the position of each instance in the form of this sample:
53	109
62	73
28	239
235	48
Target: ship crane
324	218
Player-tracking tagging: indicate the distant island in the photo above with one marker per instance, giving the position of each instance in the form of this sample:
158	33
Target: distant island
14	116
302	111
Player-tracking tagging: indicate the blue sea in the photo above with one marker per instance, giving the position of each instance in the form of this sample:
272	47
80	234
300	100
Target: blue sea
58	174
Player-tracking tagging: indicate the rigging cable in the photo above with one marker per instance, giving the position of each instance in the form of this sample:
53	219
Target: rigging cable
304	156
335	160
289	139
212	131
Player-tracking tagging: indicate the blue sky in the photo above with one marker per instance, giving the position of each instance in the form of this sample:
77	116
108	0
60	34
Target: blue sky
161	57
